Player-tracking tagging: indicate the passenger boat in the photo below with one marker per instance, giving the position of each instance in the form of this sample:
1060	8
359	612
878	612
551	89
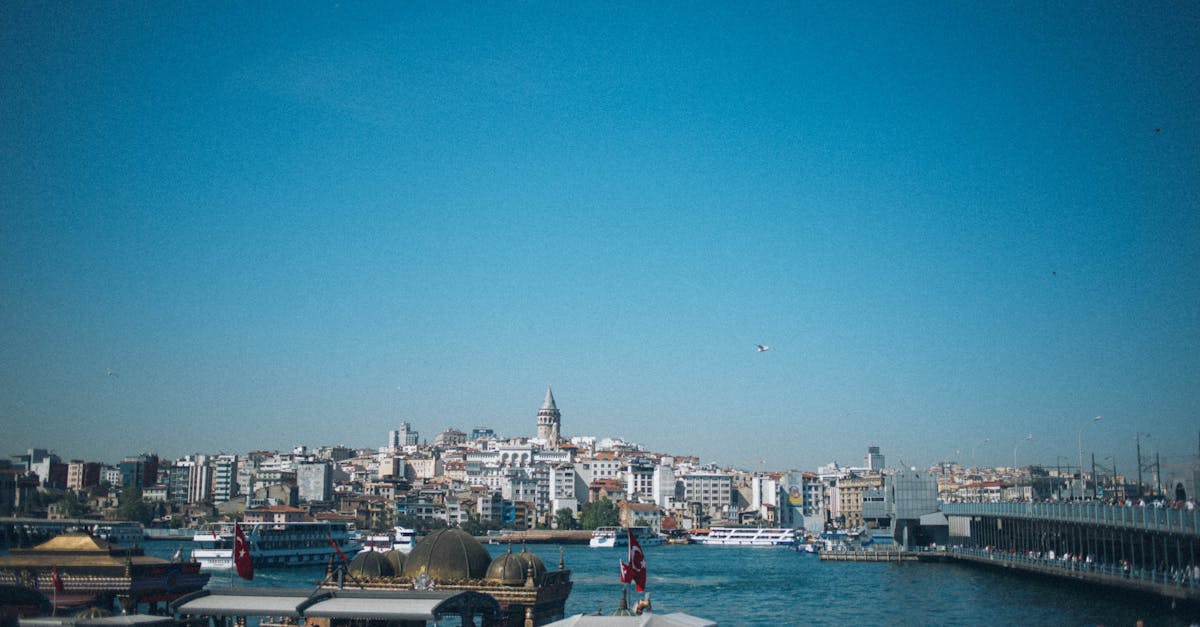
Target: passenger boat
606	537
401	539
749	536
276	544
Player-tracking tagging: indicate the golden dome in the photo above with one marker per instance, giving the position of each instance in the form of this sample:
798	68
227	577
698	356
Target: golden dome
533	562
396	559
447	555
371	564
507	569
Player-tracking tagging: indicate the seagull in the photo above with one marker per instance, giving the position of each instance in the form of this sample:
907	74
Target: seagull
762	348
110	372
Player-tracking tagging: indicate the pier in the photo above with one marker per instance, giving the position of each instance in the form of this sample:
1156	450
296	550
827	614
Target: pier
882	555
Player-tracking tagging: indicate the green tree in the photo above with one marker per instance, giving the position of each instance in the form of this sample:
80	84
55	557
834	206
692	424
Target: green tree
565	519
134	507
602	513
641	522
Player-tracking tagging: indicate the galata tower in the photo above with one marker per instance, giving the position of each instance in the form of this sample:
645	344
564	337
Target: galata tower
548	420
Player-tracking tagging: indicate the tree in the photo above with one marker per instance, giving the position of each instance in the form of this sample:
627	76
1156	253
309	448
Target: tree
565	519
602	513
134	507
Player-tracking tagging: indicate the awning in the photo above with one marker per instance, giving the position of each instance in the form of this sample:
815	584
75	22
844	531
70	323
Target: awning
247	602
398	605
380	609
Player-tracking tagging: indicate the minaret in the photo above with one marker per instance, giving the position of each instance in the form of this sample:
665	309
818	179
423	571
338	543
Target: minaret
548	419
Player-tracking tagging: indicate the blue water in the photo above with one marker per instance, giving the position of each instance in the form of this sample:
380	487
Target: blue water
776	586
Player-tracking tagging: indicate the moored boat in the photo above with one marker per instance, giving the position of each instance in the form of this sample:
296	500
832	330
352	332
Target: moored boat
276	544
401	539
607	537
749	536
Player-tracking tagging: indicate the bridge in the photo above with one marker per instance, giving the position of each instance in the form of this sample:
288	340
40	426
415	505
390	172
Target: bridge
1143	548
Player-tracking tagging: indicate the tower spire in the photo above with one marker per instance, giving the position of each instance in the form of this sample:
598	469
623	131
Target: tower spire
549	420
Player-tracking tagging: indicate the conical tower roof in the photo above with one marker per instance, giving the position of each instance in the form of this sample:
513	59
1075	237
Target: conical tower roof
549	402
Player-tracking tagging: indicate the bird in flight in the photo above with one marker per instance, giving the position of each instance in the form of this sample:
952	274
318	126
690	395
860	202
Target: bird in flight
110	372
762	348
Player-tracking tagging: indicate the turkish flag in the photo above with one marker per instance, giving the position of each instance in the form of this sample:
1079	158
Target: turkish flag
241	554
635	571
56	579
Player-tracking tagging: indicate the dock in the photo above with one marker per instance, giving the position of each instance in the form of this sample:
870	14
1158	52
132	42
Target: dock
881	555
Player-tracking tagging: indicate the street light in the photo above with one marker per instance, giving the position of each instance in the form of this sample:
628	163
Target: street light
1028	438
1096	419
1137	439
985	441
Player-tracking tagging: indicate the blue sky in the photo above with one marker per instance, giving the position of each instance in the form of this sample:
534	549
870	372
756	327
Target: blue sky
285	224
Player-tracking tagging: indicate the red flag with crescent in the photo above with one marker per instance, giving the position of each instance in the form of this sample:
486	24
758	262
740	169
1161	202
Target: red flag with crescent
56	579
241	554
336	547
635	571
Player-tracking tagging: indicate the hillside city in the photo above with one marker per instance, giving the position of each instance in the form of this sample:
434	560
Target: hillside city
481	481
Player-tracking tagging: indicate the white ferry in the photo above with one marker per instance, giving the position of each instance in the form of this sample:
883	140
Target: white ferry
400	539
275	544
749	536
605	537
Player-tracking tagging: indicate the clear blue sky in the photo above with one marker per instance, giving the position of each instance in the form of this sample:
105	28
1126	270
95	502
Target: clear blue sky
284	224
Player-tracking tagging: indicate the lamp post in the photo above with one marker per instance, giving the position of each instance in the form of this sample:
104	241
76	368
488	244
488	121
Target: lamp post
1028	438
1096	419
985	441
1137	439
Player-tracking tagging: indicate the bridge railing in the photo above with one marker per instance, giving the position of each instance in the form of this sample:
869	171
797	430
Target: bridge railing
1188	578
1147	518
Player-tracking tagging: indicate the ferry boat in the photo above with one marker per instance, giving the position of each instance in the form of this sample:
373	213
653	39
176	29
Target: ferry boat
276	544
607	537
749	536
400	539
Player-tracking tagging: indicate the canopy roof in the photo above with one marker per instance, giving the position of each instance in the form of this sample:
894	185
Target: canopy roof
395	605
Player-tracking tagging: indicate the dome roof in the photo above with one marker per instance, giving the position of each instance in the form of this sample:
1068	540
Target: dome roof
507	569
371	564
396	559
448	554
533	562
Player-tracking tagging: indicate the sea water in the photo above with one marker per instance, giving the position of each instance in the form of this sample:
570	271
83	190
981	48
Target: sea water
778	586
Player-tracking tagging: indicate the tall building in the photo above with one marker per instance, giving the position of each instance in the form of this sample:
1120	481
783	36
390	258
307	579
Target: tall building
402	437
548	421
314	481
874	459
225	485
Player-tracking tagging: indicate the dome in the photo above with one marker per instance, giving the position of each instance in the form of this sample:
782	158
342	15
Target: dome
507	569
371	564
533	562
396	559
448	555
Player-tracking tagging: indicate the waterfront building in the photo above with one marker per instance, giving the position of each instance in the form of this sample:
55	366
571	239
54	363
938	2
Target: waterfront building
639	478
711	492
94	572
549	421
846	498
640	514
450	560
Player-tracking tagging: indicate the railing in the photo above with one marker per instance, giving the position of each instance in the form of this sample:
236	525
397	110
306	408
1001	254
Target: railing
1147	518
1185	578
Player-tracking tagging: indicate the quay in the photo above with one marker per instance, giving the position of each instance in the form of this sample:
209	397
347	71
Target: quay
539	536
882	555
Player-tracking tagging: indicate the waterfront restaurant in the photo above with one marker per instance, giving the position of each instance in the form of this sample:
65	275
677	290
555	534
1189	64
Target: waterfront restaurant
91	572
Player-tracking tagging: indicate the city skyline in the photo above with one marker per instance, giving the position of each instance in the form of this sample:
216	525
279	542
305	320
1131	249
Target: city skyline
260	226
